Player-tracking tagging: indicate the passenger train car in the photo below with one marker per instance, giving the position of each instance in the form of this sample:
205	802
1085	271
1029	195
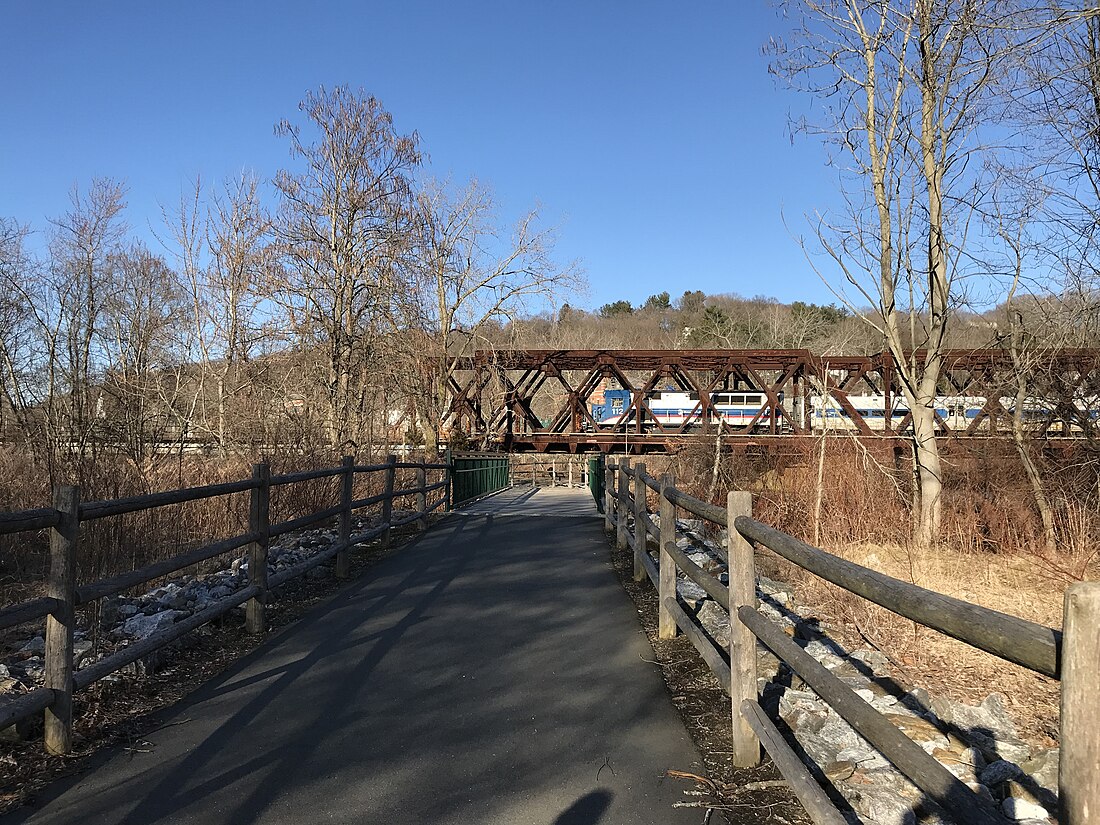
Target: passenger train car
740	408
955	411
826	412
673	408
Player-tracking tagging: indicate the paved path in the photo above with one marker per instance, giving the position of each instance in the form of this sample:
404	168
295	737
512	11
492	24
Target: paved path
494	672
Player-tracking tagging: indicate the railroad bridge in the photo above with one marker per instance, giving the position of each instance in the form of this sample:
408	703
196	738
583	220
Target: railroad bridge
542	400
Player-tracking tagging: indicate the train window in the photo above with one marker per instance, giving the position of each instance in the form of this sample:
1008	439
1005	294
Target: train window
693	396
754	399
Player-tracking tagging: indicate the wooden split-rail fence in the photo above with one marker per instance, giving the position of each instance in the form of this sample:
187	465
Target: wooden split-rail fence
1072	655
477	476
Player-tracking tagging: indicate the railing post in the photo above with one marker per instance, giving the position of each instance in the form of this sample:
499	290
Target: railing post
346	492
742	590
623	506
259	522
640	539
387	502
64	540
1078	777
421	499
666	624
608	494
448	476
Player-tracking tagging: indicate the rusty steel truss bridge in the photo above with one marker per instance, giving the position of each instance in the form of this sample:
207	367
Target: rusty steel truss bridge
541	400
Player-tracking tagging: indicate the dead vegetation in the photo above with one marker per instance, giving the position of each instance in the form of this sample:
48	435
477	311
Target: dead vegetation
121	543
851	499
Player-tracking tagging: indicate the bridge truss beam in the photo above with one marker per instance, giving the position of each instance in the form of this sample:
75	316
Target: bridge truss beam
540	400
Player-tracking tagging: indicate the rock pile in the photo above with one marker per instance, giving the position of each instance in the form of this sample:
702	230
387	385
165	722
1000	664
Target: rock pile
978	744
126	619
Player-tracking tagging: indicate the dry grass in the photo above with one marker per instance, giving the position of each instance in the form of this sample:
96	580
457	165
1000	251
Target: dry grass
852	500
121	543
926	658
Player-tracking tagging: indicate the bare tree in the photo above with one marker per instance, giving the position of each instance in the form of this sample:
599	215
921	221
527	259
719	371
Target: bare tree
905	83
225	257
140	342
1047	215
1027	354
469	275
341	227
1056	99
17	362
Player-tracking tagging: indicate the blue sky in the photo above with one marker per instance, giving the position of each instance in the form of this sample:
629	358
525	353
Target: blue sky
650	132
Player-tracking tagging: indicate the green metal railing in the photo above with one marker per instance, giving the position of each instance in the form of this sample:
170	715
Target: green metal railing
595	479
477	474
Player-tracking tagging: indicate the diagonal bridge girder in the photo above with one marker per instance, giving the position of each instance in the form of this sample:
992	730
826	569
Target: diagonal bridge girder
541	399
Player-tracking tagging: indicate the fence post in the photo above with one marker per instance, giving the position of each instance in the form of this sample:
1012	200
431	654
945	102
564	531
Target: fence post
608	494
623	505
1078	777
448	476
346	489
640	539
742	590
259	522
64	540
570	471
666	624
387	502
421	499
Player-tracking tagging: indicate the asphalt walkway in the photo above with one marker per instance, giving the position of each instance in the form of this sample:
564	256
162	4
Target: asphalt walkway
492	672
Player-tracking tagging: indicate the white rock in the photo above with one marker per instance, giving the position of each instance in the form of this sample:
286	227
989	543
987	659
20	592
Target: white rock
888	808
141	625
819	650
690	592
81	651
1023	809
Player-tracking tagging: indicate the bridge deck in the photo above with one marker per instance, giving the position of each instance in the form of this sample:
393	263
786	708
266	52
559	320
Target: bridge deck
493	672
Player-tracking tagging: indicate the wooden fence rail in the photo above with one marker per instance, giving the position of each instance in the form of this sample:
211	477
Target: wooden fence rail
64	595
1075	659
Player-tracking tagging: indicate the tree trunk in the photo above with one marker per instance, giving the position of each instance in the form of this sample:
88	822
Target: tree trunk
1019	434
927	475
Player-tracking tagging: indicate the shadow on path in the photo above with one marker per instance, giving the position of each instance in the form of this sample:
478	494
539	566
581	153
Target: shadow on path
491	672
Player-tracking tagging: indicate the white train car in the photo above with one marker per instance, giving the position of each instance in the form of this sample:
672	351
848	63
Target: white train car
674	408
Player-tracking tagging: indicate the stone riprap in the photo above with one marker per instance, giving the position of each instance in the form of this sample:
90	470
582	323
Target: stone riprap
978	744
123	620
